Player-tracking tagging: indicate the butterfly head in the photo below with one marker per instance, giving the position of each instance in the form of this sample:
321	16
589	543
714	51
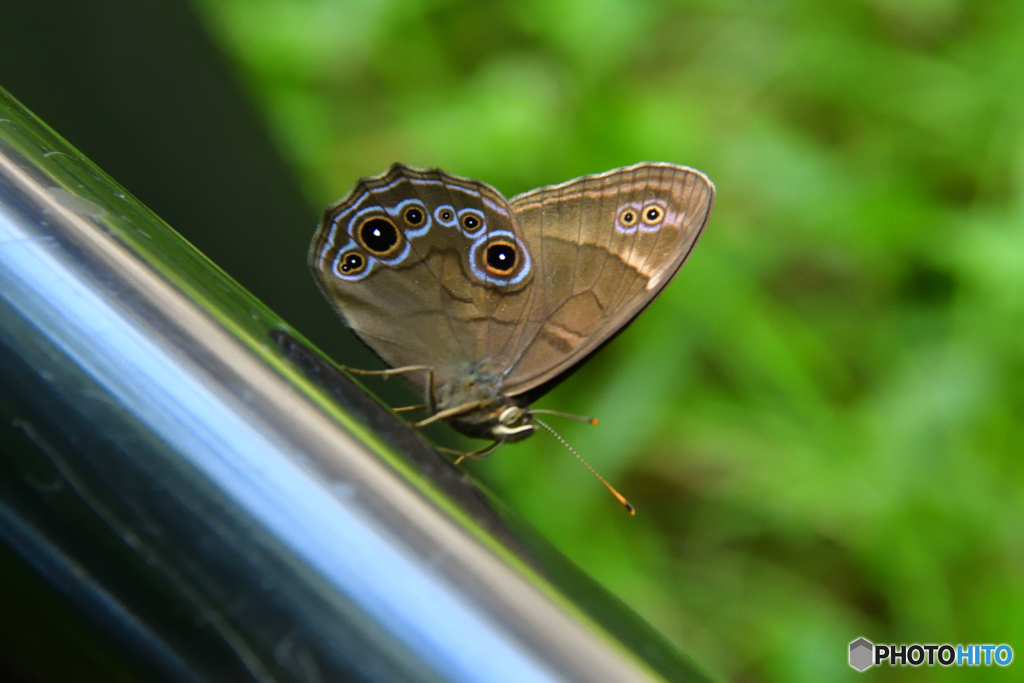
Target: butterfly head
513	424
499	420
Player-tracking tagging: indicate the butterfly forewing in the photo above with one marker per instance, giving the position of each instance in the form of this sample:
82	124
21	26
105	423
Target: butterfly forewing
605	246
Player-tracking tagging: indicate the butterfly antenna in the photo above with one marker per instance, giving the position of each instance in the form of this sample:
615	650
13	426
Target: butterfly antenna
558	413
618	496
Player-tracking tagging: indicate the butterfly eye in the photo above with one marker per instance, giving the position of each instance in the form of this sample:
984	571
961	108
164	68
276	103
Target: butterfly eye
352	263
379	235
413	216
653	214
628	217
501	257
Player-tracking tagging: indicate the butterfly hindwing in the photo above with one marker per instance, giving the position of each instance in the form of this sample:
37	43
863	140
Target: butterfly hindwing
403	259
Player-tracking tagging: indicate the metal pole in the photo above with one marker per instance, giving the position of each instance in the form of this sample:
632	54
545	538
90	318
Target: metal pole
220	502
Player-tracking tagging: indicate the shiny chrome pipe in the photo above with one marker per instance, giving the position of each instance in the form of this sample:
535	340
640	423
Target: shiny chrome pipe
221	503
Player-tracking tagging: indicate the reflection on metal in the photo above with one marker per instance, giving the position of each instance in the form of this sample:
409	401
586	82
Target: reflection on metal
219	501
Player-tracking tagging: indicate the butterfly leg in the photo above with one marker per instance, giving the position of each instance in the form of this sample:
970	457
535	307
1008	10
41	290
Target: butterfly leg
397	371
406	409
478	453
451	412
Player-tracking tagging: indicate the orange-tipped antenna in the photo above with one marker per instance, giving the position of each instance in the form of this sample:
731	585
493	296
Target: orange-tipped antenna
558	413
618	496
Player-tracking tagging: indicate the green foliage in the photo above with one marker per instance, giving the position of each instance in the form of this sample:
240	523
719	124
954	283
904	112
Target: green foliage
820	421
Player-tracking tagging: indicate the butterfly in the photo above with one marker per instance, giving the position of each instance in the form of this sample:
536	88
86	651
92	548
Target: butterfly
483	303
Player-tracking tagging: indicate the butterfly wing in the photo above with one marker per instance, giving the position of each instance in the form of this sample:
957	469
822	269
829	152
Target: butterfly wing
403	258
605	246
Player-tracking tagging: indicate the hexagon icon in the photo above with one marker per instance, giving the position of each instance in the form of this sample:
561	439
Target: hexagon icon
861	654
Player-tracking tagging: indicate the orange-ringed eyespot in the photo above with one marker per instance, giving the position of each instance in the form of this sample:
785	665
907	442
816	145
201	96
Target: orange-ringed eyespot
628	217
500	257
379	235
653	214
413	215
352	263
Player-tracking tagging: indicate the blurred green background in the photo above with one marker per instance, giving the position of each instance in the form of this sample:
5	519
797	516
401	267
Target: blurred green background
820	421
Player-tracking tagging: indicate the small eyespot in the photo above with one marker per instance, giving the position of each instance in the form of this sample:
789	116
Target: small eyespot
352	263
471	222
501	257
445	215
379	235
413	215
653	214
628	217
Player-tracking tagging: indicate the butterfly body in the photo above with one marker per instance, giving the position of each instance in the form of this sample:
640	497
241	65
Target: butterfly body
496	416
495	301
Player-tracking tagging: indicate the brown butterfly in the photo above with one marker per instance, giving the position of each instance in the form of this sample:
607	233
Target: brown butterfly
484	304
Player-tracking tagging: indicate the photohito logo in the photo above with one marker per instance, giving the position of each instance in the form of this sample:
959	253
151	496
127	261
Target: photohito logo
864	654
